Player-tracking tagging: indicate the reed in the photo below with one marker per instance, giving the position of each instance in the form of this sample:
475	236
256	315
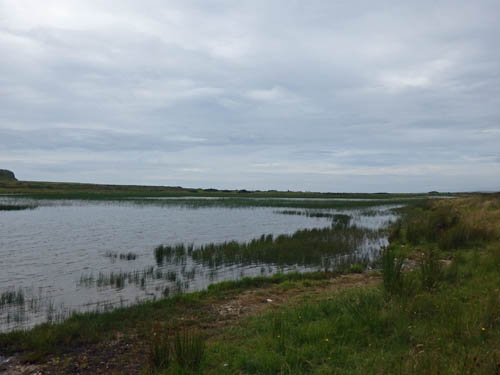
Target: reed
113	255
309	247
12	297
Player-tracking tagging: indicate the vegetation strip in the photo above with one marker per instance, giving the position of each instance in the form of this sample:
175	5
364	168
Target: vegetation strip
56	190
16	207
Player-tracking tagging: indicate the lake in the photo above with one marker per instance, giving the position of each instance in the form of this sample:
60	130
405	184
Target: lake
76	255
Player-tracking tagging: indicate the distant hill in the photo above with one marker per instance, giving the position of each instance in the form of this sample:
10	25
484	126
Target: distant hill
6	175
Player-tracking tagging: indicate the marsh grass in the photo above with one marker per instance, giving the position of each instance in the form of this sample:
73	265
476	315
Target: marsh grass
179	252
12	297
120	279
338	218
309	247
113	255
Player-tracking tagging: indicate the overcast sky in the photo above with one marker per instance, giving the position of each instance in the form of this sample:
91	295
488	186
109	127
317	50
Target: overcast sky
300	95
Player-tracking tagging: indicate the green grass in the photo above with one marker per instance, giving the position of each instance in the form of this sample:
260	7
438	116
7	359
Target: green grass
450	329
430	320
84	328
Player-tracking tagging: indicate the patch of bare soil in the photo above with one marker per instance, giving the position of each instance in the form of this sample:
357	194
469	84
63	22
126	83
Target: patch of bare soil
127	353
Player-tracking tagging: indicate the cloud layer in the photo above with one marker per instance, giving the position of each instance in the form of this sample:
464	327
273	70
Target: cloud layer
319	95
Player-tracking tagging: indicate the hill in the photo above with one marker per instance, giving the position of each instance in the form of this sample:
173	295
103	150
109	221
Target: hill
6	175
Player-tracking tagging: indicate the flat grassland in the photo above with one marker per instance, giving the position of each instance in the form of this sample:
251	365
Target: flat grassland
57	190
432	308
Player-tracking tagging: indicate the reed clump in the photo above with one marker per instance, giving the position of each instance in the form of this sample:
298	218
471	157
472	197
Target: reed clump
12	297
338	218
113	255
182	351
159	353
309	247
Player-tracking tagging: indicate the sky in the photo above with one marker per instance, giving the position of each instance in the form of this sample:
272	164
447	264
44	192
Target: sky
358	96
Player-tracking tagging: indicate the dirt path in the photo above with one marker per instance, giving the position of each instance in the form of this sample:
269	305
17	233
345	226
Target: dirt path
126	354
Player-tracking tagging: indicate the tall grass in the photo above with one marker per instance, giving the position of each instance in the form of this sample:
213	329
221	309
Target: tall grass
430	269
159	353
189	349
450	225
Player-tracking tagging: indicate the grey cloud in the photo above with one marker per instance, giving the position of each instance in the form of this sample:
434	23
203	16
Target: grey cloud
93	140
360	88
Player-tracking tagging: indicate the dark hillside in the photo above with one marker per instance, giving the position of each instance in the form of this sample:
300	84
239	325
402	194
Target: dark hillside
6	175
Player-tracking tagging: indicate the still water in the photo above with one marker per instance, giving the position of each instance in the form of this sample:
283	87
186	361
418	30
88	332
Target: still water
59	255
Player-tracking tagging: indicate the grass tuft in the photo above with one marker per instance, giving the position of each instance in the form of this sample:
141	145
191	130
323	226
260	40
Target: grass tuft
392	271
189	348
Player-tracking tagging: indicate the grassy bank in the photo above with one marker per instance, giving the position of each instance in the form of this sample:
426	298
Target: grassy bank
86	328
435	310
441	317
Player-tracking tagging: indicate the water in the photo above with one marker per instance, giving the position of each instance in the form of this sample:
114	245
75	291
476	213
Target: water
58	255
